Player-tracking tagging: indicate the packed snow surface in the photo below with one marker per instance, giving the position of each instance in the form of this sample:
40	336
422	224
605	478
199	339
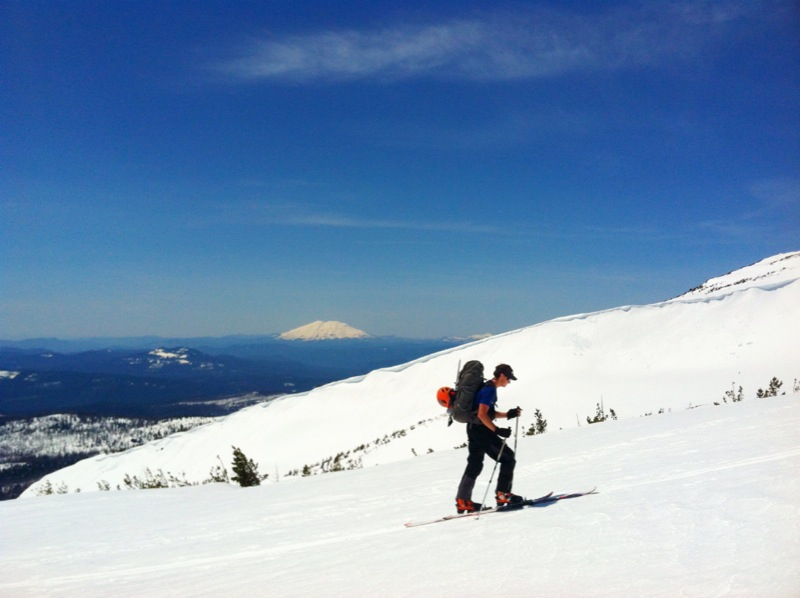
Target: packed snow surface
696	503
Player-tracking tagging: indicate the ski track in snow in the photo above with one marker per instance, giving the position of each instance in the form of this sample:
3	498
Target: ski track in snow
737	463
252	556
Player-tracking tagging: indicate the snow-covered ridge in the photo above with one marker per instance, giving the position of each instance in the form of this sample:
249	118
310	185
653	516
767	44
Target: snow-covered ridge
162	357
319	330
179	355
634	359
472	337
777	269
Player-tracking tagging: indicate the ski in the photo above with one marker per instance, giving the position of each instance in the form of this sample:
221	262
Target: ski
551	497
528	502
542	500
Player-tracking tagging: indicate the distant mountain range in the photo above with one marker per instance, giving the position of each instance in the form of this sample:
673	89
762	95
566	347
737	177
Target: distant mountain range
146	377
317	331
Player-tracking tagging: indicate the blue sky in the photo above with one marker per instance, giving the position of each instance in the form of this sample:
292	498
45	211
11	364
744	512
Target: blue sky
411	168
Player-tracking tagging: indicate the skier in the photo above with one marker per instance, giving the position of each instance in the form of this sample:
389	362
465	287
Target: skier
485	438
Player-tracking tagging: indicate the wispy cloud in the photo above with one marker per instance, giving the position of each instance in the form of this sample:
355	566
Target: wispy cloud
304	215
777	193
773	215
341	221
614	232
729	230
492	47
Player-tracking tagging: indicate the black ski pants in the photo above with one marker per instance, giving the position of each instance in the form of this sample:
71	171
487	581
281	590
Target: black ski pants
482	441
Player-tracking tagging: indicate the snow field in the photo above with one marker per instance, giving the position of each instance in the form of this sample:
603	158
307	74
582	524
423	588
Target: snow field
694	503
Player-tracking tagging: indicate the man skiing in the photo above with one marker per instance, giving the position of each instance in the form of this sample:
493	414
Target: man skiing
485	438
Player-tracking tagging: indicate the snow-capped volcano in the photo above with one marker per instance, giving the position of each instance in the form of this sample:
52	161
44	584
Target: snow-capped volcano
636	360
318	331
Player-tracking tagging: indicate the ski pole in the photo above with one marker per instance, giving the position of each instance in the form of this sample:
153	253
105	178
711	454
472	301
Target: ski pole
496	463
516	431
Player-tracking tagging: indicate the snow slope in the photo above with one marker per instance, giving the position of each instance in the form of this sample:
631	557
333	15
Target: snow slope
633	359
693	503
773	270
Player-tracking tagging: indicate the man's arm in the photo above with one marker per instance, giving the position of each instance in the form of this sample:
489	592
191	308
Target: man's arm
483	416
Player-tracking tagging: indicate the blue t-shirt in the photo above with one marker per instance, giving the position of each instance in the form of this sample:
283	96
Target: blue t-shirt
487	396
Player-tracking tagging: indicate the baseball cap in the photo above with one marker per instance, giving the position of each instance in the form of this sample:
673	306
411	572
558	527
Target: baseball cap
504	368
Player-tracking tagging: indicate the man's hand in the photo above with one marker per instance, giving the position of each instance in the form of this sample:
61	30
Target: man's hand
515	412
503	432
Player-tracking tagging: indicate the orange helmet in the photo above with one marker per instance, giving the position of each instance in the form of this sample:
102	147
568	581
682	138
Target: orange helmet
444	395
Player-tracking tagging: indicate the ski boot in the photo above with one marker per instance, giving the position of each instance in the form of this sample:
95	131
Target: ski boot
507	499
467	506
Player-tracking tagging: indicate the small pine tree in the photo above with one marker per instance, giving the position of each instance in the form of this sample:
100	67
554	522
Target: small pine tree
540	423
218	473
45	489
537	427
599	416
772	389
733	395
245	470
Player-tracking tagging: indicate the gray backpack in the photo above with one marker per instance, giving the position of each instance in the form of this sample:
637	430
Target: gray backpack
470	381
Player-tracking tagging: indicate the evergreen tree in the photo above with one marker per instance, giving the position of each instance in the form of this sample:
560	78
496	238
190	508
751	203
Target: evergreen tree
541	422
772	390
539	426
219	473
599	416
245	470
733	395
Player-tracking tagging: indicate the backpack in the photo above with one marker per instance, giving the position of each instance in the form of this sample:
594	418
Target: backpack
460	402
